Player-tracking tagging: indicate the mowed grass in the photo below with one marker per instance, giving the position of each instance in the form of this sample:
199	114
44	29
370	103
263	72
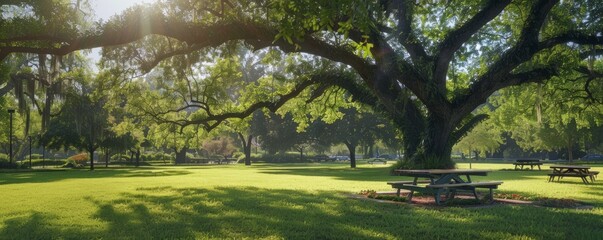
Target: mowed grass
285	201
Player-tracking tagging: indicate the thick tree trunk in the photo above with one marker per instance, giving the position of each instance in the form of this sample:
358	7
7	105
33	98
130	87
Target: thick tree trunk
107	157
181	155
247	151
138	157
352	150
570	155
246	148
435	148
92	159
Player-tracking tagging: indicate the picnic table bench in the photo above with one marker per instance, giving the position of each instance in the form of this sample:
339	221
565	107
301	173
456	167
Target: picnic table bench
443	181
400	184
470	186
531	162
583	172
377	160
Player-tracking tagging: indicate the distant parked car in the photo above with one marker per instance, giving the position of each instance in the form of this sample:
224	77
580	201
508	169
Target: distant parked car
342	158
388	156
322	158
592	157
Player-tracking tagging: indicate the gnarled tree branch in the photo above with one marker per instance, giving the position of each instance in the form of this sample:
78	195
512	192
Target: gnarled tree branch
455	39
406	36
479	92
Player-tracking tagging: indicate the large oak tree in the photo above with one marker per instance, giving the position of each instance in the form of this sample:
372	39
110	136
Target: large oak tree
424	65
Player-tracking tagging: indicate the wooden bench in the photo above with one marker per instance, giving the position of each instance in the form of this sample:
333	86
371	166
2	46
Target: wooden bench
470	186
400	184
583	176
531	162
438	189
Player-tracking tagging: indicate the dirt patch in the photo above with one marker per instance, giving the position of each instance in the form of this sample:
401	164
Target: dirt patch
466	201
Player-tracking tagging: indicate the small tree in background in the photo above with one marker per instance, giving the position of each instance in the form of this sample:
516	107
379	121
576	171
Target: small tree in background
221	146
82	123
482	139
355	128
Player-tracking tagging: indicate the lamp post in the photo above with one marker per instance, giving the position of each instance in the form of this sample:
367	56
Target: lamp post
10	135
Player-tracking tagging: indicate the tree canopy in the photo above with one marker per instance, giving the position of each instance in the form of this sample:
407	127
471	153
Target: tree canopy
425	65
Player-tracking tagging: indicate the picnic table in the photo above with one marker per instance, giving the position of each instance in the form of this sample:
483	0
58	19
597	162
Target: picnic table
582	172
377	160
441	181
531	162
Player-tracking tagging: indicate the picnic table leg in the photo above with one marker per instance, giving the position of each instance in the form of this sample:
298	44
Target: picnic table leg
539	167
437	197
584	179
398	193
409	198
450	194
475	194
491	195
531	167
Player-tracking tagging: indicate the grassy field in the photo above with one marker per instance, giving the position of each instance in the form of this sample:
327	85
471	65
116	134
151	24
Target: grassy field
286	201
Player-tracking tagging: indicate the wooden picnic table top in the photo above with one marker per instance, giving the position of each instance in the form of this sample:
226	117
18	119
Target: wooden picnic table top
570	166
526	160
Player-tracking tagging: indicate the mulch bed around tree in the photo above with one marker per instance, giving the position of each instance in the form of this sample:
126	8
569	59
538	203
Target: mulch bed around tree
468	201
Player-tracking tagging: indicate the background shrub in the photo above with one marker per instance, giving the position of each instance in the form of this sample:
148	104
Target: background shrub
5	164
120	157
81	158
144	157
34	156
238	155
3	157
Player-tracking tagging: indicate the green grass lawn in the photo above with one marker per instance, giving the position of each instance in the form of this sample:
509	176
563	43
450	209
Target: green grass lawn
285	201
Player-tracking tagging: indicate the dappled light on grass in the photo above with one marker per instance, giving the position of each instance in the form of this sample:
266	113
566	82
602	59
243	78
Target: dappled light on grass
216	213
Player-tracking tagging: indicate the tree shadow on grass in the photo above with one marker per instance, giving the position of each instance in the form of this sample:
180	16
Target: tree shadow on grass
51	176
358	174
383	174
227	212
